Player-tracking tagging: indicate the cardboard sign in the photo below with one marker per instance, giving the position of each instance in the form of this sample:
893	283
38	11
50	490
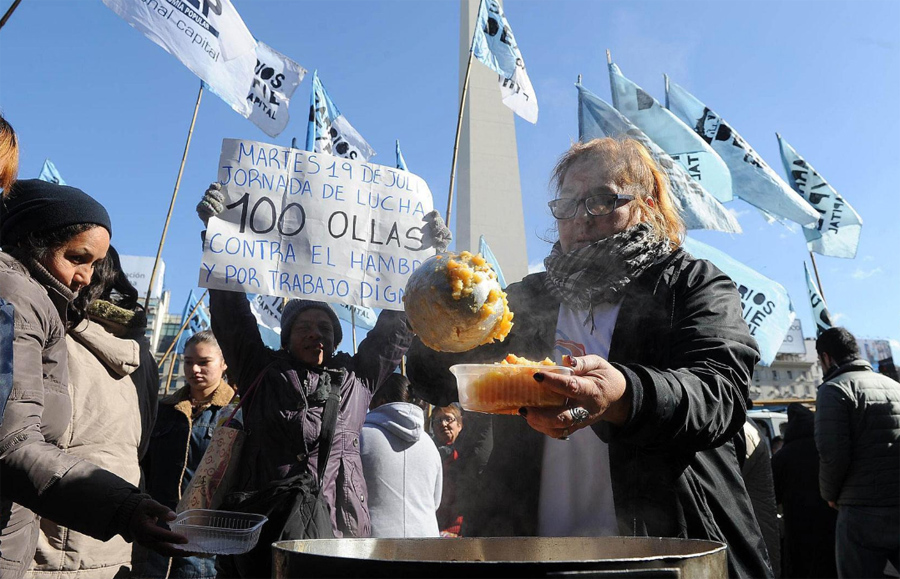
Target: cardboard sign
314	226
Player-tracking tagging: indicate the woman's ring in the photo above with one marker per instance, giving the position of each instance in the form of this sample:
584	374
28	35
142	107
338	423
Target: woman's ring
579	414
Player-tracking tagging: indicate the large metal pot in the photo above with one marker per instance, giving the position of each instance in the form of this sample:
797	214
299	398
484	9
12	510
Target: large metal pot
501	557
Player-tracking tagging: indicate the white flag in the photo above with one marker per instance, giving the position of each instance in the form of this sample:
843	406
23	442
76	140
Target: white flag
205	35
329	131
836	233
752	179
668	131
275	80
495	46
697	207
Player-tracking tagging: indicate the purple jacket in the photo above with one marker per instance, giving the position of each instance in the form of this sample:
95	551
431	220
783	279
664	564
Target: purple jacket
284	420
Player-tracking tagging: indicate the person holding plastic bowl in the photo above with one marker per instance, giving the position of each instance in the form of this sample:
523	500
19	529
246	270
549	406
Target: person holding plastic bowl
662	361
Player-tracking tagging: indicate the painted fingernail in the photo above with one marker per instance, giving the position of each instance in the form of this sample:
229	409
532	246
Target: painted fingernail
571	361
523	411
538	376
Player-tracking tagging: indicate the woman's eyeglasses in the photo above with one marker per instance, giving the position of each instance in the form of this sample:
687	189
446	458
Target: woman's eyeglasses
444	420
598	205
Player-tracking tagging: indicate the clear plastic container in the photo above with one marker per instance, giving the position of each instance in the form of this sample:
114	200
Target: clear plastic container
504	388
218	532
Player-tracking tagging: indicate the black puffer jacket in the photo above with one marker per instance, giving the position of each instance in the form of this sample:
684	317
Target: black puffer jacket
687	356
858	437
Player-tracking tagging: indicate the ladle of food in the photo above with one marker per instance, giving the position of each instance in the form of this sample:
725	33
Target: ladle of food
454	303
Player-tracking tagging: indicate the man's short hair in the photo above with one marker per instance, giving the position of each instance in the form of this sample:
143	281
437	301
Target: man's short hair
838	343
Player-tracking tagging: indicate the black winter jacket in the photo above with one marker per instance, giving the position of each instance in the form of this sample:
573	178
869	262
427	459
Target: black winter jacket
808	520
858	437
687	357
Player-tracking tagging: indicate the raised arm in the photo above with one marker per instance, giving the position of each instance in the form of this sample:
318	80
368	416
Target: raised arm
381	351
237	332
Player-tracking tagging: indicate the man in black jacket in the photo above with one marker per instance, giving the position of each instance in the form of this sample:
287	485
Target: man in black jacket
858	438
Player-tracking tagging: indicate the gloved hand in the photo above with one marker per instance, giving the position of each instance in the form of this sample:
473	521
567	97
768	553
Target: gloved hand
435	233
213	203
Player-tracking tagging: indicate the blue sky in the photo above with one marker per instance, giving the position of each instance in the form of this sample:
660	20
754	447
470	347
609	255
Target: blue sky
112	109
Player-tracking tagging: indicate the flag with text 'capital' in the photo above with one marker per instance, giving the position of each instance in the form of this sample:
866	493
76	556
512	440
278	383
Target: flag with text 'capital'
752	179
674	137
207	36
275	78
199	321
401	162
495	46
329	131
765	304
836	233
697	207
489	256
817	302
50	174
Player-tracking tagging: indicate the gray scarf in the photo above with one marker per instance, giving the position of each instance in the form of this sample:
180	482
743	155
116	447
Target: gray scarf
598	273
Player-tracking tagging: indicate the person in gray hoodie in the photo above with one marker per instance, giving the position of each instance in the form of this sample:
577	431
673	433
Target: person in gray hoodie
401	465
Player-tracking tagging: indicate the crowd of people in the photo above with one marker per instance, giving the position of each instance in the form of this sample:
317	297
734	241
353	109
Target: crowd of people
652	441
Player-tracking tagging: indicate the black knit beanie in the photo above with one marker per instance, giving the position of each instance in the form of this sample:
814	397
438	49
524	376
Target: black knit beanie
34	206
294	307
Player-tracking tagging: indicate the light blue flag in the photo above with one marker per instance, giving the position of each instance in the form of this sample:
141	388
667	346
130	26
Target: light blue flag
329	131
50	174
489	256
765	304
401	162
752	179
836	233
817	302
363	317
674	137
697	208
495	46
199	321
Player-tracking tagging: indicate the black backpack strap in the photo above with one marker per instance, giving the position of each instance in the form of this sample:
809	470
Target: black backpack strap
326	438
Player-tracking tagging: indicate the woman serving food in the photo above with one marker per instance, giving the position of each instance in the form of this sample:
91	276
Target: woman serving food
662	360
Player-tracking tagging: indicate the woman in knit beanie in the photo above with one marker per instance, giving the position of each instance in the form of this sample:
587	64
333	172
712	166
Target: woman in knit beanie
52	237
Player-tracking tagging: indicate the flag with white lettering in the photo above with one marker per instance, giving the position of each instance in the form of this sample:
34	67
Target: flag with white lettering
329	131
50	174
836	233
697	207
673	136
752	179
495	46
401	162
199	321
817	302
489	256
204	35
765	304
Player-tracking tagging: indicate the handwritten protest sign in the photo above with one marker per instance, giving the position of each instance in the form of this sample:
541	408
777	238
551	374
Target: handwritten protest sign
301	224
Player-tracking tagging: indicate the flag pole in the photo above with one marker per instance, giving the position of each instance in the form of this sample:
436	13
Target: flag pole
171	371
818	281
162	239
184	324
353	327
9	12
462	107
